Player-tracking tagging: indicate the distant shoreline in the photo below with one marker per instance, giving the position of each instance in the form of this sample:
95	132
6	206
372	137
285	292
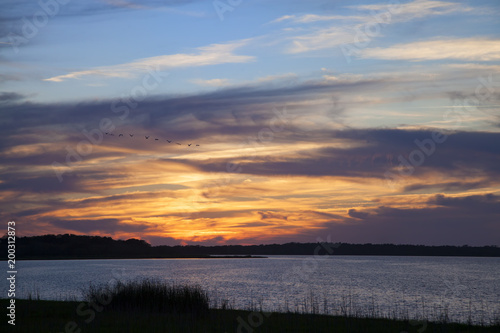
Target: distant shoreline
244	257
128	258
68	246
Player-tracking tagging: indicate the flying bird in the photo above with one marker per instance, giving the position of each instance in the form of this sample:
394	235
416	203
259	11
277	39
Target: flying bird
156	139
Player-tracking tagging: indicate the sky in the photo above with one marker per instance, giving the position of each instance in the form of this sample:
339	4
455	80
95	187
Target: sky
267	122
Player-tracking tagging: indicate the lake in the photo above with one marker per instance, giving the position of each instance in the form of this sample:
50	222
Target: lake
463	288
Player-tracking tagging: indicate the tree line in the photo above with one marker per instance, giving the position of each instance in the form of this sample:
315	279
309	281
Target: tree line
69	246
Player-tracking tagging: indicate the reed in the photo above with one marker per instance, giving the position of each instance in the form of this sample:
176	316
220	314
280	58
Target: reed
150	295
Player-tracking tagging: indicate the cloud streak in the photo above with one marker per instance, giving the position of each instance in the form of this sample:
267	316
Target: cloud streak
469	49
348	33
214	54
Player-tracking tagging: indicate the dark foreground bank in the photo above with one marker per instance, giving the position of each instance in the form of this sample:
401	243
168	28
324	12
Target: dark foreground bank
69	316
155	306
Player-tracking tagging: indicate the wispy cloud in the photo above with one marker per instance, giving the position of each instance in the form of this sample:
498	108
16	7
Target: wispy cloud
213	54
286	76
123	4
335	35
212	82
403	12
471	49
415	9
273	79
321	39
310	18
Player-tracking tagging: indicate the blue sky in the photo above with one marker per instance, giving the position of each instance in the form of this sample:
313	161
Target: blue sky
360	82
100	34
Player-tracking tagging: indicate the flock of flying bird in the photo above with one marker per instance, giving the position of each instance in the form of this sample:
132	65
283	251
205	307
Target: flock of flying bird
155	139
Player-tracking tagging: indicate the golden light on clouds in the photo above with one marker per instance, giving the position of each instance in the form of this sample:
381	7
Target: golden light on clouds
329	121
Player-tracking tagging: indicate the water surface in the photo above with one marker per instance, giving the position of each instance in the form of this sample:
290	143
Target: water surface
463	288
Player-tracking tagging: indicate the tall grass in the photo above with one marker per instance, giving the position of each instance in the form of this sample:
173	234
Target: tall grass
150	295
159	297
349	305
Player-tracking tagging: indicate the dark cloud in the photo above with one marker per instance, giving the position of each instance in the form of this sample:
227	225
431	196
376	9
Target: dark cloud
272	215
357	214
8	97
237	111
43	184
488	203
472	220
32	212
448	186
110	226
64	157
462	154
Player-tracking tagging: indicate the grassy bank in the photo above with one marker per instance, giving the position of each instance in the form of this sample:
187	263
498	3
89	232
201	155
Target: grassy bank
152	306
56	316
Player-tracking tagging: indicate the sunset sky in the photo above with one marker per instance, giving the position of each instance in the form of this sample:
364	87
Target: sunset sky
348	121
